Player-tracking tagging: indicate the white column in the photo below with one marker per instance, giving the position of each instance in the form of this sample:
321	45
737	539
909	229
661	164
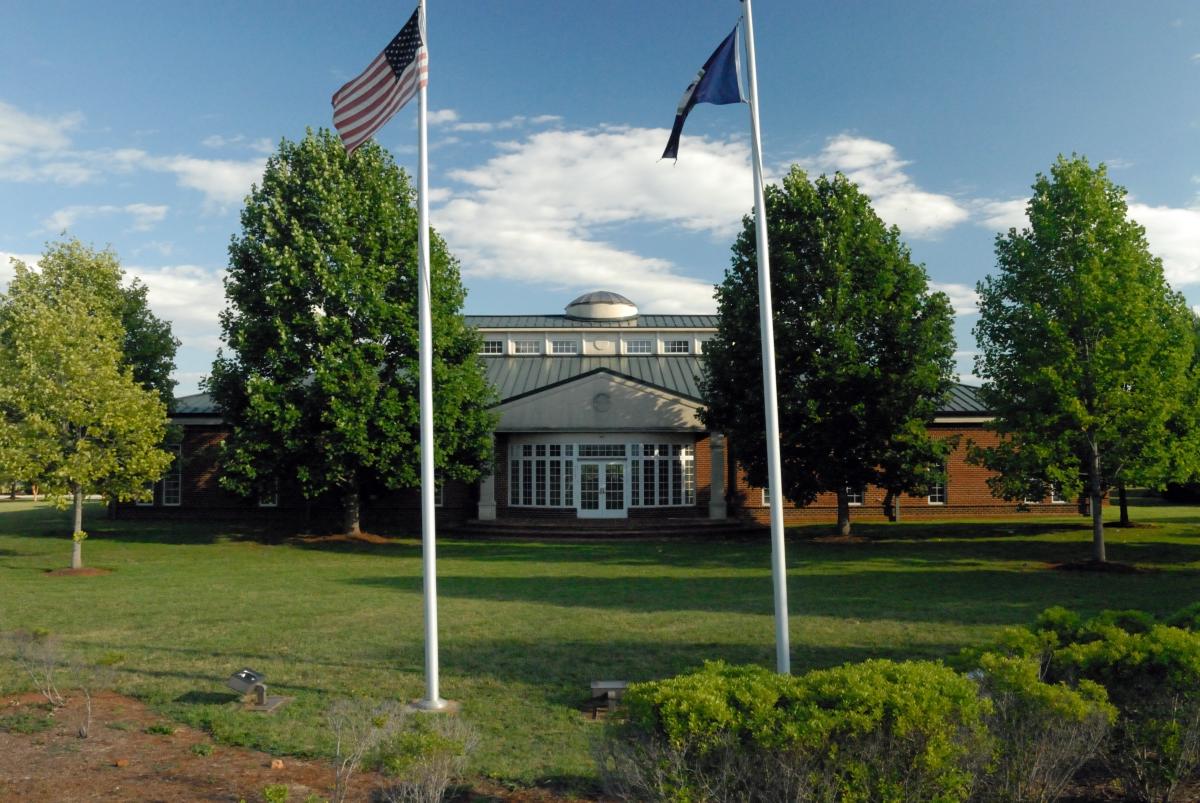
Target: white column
487	491
716	482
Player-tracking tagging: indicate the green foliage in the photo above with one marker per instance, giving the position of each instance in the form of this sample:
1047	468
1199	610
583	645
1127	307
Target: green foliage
276	793
202	749
878	731
1086	353
148	346
25	723
320	375
71	410
1043	732
864	352
161	729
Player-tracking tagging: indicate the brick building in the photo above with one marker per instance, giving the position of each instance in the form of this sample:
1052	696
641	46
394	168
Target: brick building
598	419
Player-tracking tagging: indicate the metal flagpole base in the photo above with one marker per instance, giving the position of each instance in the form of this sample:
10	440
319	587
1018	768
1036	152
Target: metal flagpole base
438	706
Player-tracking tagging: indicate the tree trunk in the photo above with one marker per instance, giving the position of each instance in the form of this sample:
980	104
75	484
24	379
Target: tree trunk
1097	509
77	549
351	513
1124	504
843	522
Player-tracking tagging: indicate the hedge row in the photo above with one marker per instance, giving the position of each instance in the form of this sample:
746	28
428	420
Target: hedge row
1016	725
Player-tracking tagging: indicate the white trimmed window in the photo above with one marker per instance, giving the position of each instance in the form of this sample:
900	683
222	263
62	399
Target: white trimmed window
492	347
1056	496
677	347
937	490
542	475
564	346
766	497
149	501
527	347
640	346
855	496
172	481
662	475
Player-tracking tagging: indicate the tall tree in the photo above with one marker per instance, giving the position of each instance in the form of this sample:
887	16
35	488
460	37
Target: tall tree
148	346
70	410
1084	348
864	350
320	380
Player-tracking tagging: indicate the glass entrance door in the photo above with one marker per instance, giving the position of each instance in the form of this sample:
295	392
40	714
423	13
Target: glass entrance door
602	489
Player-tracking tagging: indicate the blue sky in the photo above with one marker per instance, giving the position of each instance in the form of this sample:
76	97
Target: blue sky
142	125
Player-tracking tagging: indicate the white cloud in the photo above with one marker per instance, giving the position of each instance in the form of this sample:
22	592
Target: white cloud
189	296
6	269
1002	215
22	133
879	172
451	119
1174	236
441	116
537	211
963	298
224	182
144	216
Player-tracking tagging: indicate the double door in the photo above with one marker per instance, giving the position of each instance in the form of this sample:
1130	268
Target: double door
602	489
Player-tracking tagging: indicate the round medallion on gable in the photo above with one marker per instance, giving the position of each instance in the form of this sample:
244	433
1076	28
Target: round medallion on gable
601	402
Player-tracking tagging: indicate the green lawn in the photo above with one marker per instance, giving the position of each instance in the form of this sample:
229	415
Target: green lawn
525	626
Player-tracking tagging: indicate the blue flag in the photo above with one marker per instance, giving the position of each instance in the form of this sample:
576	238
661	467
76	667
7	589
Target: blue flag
719	81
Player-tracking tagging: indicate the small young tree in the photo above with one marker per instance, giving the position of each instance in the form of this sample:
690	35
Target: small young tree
70	407
1084	348
320	380
864	352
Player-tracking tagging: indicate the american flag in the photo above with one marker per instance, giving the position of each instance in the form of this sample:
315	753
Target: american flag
363	105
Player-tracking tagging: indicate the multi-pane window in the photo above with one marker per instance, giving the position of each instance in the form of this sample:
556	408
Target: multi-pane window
527	347
601	450
492	347
542	475
149	500
639	346
662	475
677	346
937	489
855	496
564	346
1056	496
766	497
172	482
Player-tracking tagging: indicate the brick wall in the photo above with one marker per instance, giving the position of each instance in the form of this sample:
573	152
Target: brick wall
967	492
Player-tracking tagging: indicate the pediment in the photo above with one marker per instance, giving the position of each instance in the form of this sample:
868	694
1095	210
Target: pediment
597	402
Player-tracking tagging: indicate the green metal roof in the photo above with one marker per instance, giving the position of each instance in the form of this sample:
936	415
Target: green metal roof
563	322
962	400
514	377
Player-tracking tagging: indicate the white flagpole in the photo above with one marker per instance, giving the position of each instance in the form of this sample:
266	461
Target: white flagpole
432	700
783	659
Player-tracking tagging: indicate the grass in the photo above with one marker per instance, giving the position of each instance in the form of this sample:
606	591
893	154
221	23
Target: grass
525	626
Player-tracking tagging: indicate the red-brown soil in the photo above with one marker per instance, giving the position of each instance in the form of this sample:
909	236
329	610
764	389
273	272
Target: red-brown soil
121	761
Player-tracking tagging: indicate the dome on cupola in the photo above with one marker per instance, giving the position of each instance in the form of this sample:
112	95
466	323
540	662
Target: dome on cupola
602	305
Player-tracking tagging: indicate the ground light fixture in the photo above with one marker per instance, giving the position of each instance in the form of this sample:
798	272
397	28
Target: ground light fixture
250	685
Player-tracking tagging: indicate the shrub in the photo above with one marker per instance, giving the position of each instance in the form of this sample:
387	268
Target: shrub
1154	680
878	731
426	758
358	726
1043	732
1186	618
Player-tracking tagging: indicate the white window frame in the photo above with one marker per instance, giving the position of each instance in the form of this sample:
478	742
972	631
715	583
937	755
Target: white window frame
942	486
1056	497
766	497
176	469
640	345
564	347
144	503
528	347
492	346
860	493
677	346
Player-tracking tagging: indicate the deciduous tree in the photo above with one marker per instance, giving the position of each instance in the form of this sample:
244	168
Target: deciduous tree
72	412
863	349
1084	348
319	376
